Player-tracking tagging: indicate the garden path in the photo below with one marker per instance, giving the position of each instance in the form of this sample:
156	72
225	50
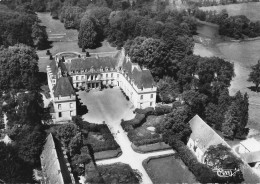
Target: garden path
109	105
129	156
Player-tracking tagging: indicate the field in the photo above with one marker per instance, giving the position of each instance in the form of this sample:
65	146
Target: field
168	169
63	40
251	10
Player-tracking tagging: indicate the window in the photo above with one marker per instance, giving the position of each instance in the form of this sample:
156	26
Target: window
71	105
151	95
111	74
141	97
71	113
82	77
77	77
151	103
117	75
60	115
59	106
106	75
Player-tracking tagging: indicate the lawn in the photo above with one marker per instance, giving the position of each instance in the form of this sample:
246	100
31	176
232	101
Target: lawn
119	173
168	169
251	10
108	105
63	40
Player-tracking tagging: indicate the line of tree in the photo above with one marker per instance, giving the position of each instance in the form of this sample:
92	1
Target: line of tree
21	25
238	27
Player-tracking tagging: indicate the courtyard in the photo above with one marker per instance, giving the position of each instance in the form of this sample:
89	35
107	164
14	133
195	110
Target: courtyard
108	105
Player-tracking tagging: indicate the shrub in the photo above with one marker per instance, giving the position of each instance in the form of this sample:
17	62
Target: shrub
162	109
147	111
143	139
126	126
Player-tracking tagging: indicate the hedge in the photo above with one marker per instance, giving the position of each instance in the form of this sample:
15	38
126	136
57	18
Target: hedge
138	120
202	172
145	139
109	142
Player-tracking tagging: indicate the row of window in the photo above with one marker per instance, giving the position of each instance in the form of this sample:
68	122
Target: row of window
92	70
142	96
93	77
59	106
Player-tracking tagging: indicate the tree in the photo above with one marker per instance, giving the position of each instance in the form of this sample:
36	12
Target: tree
30	146
231	121
71	16
88	33
39	35
18	68
254	75
175	127
195	101
66	132
220	156
12	168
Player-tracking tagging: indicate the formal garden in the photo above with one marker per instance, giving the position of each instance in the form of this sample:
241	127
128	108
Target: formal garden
168	169
141	130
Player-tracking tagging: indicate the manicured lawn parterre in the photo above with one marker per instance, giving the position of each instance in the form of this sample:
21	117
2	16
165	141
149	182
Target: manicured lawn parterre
168	169
119	173
144	133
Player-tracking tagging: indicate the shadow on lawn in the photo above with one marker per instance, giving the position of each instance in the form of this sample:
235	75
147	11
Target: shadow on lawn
81	109
253	88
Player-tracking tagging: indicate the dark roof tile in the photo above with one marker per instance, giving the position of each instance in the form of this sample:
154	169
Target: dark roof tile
63	87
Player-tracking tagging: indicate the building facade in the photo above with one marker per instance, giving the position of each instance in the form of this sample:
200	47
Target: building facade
97	72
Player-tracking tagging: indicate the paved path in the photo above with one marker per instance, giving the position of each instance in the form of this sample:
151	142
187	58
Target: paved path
129	156
111	107
46	101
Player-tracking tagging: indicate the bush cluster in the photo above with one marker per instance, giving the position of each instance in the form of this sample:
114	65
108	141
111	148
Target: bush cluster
108	143
157	111
146	139
138	120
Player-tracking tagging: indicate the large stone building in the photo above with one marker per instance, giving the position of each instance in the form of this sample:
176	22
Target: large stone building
97	72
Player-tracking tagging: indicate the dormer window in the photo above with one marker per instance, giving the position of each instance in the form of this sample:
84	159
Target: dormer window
82	71
106	68
101	69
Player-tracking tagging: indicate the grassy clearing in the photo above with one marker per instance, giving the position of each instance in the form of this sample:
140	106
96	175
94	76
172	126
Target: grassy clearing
63	40
251	10
168	169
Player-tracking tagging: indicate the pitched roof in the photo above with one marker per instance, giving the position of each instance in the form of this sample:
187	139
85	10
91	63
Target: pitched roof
141	77
87	63
63	87
52	161
204	134
53	66
251	144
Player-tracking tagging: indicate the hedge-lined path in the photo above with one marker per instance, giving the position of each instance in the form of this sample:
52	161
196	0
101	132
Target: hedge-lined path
111	106
129	156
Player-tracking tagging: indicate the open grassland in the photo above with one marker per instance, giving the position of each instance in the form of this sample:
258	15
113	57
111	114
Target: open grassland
251	10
